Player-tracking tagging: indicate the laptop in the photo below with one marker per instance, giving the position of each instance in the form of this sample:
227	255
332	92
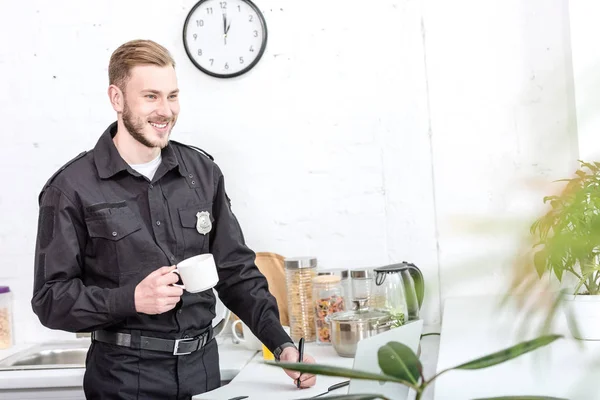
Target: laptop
365	359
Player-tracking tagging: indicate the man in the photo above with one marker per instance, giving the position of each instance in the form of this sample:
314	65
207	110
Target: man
113	223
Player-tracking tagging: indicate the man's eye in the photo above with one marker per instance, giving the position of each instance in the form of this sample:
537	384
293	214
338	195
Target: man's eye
151	96
173	96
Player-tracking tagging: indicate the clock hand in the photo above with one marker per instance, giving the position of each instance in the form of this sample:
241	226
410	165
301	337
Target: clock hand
224	24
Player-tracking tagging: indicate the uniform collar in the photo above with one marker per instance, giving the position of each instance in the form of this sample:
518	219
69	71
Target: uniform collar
109	162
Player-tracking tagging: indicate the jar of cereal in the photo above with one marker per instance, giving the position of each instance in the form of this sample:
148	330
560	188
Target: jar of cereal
328	298
6	339
299	273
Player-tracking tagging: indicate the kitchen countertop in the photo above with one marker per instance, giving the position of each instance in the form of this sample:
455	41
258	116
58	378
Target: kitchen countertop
472	327
261	381
243	367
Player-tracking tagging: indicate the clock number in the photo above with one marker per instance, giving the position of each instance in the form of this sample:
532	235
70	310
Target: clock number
209	10
239	8
252	49
199	52
241	60
251	17
199	22
226	66
212	60
223	5
195	36
255	33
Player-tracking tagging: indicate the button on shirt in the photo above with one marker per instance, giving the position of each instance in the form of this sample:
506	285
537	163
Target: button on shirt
103	228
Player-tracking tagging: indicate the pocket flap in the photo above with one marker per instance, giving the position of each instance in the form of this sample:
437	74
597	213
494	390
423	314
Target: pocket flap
114	227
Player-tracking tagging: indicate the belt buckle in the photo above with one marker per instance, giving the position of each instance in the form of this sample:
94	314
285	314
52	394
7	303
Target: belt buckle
176	347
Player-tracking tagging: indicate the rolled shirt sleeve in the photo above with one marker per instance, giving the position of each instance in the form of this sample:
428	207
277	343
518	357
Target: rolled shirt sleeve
60	298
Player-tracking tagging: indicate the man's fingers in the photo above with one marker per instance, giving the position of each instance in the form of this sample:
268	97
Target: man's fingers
168	278
292	374
308	359
163	270
308	382
171	291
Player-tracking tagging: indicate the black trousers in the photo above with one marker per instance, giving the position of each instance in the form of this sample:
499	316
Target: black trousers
117	372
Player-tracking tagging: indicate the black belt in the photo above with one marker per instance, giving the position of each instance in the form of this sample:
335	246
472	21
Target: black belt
177	347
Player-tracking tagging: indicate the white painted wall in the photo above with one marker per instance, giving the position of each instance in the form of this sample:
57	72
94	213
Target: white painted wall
586	72
503	123
364	130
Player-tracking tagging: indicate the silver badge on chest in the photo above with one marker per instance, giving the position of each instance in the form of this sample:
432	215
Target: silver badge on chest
203	224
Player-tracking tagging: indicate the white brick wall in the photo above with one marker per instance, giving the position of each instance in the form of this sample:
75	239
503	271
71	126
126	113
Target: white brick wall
333	145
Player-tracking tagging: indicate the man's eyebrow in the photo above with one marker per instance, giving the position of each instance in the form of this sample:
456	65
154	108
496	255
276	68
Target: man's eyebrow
153	91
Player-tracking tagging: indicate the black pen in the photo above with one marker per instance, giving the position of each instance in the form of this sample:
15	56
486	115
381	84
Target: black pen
300	357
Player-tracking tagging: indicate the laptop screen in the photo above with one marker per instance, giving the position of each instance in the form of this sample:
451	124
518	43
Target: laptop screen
365	359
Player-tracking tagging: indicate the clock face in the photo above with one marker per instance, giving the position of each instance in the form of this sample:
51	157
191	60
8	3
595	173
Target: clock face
225	38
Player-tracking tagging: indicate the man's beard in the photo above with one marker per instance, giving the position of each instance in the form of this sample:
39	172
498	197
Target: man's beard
135	127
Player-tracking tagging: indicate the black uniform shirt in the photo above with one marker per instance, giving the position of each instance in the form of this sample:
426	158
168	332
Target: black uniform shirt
103	228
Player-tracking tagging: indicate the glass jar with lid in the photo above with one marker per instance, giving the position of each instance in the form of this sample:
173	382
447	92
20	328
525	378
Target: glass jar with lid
299	273
328	299
346	288
361	284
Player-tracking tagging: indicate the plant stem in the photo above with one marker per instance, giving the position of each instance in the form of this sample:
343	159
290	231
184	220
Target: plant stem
438	374
419	393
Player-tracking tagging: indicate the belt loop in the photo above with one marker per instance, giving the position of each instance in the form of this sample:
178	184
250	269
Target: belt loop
136	338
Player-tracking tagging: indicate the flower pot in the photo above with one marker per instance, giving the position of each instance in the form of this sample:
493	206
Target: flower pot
584	312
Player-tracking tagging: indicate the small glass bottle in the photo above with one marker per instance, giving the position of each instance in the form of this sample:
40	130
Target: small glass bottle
299	273
328	299
6	339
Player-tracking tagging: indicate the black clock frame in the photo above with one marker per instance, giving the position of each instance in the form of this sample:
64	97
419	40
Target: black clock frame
263	44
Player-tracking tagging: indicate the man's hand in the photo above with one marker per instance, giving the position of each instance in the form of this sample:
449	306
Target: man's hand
290	354
155	295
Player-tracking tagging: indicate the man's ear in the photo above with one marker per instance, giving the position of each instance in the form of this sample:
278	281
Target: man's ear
116	98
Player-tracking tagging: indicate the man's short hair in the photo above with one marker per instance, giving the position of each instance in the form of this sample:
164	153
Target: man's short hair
132	54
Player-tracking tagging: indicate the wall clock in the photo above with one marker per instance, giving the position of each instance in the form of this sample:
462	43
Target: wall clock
225	38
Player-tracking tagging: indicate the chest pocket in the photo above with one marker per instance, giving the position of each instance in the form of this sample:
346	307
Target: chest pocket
197	224
114	242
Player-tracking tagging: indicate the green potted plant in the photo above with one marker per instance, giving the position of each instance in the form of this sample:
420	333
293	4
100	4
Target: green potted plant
401	365
567	241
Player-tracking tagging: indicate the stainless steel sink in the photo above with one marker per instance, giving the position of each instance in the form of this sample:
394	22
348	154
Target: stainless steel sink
66	354
60	355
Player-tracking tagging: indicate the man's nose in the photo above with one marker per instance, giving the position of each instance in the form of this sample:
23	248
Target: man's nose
165	109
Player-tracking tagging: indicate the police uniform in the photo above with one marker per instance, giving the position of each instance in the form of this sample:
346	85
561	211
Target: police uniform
103	228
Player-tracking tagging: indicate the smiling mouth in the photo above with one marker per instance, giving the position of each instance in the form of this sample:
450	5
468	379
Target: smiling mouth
159	126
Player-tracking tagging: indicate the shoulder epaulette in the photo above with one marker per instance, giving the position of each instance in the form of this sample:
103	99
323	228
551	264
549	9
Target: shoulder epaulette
61	169
198	149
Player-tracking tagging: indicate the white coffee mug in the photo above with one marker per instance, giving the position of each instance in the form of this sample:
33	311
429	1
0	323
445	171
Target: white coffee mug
249	340
198	273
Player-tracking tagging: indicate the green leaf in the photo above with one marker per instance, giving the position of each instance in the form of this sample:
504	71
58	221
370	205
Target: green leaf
397	359
539	260
558	271
328	370
522	398
358	396
509	353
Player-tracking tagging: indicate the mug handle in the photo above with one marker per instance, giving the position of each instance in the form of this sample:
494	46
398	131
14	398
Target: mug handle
181	285
234	333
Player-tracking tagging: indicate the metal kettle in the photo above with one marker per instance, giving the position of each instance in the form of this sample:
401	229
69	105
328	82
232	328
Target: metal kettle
399	288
